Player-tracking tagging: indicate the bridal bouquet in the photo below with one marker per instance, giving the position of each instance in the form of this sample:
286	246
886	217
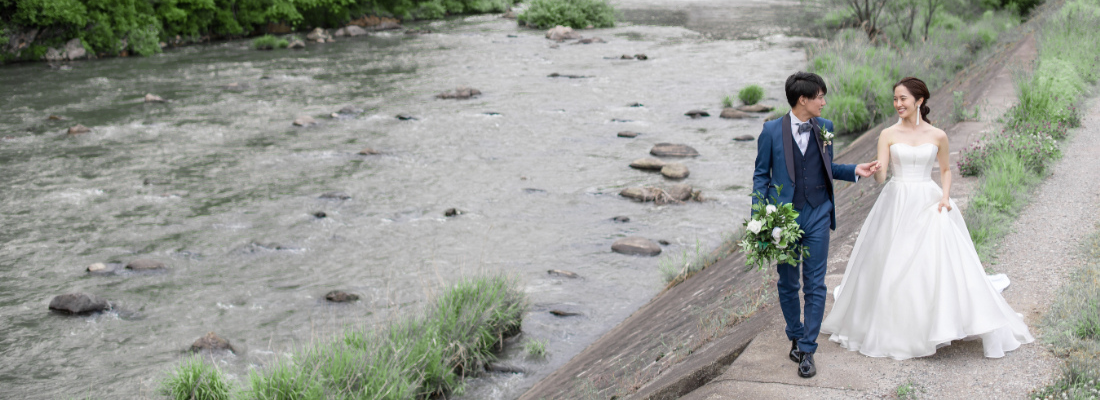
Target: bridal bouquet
771	234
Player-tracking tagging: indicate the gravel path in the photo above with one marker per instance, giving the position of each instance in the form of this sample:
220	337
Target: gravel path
1044	247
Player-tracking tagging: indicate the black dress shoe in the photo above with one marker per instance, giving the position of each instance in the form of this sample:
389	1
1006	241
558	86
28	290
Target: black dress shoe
794	350
806	368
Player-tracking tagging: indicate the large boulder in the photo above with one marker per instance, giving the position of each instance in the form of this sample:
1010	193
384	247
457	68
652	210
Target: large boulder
673	150
561	33
756	108
145	264
680	192
74	49
648	163
675	171
211	342
733	113
78	303
635	245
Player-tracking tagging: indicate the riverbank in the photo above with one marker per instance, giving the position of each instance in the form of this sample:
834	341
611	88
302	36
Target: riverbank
661	351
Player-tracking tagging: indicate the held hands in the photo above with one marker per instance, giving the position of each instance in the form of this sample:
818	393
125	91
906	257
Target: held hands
867	169
944	202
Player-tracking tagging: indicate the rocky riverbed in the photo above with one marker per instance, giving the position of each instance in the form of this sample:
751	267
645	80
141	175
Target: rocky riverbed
247	222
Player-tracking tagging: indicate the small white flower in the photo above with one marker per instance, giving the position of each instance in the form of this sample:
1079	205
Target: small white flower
755	226
770	208
777	234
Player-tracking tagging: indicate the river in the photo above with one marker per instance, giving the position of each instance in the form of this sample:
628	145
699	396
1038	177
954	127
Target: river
221	187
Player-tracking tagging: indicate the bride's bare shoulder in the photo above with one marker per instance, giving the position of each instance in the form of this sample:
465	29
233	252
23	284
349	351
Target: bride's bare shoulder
887	134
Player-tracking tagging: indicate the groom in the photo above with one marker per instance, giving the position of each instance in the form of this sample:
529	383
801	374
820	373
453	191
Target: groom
792	153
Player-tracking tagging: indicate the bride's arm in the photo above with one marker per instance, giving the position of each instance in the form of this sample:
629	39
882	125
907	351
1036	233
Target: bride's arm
883	156
944	157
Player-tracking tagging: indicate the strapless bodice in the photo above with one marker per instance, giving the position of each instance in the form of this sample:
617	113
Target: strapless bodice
912	163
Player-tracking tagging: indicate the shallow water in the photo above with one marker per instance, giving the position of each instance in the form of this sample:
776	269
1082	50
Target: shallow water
220	186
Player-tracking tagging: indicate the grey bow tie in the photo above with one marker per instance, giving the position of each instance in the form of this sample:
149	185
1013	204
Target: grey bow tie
804	127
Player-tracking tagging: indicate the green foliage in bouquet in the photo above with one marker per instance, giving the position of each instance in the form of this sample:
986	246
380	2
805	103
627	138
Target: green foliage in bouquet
772	234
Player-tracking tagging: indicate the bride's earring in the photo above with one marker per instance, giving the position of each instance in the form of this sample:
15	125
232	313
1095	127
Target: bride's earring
918	114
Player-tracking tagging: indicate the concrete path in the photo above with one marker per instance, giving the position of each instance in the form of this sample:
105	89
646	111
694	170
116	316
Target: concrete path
1037	257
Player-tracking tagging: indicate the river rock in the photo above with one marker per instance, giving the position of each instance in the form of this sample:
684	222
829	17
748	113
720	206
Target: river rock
628	134
296	43
79	130
756	108
318	35
304	120
570	76
451	212
320	214
561	33
504	368
406	117
744	138
152	98
626	57
460	93
697	114
642	57
368	152
635	104
78	303
97	267
74	49
635	245
339	296
567	274
563	313
510	14
54	55
590	40
673	150
733	113
335	196
145	264
642	194
680	191
353	31
647	163
675	171
349	110
211	342
621	218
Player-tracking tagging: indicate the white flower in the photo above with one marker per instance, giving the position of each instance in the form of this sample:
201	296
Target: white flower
770	208
754	226
777	234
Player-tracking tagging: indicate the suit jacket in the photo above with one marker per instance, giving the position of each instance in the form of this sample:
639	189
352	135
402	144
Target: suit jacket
775	162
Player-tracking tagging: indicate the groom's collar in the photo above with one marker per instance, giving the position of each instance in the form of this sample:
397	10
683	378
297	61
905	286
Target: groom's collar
794	119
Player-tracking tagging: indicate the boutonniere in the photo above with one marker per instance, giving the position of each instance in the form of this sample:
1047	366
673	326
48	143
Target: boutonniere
825	136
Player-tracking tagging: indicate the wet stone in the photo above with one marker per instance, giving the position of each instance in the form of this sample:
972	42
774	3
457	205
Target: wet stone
642	194
675	171
744	138
460	93
562	313
335	196
673	150
152	98
211	342
534	190
635	105
504	368
680	191
628	134
145	264
648	163
320	214
621	219
78	130
557	75
304	121
368	152
642	57
339	296
97	267
756	108
635	245
663	242
406	117
567	274
78	303
561	33
697	114
733	113
451	212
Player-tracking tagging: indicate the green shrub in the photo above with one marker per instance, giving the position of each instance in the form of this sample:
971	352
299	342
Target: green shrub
576	14
195	379
727	102
848	113
269	42
751	94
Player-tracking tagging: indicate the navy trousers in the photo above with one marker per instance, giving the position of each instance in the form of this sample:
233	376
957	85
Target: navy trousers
815	223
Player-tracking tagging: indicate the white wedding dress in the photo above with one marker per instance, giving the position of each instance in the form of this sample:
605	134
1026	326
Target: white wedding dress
914	281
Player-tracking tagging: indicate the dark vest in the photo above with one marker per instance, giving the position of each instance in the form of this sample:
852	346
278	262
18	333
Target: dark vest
810	178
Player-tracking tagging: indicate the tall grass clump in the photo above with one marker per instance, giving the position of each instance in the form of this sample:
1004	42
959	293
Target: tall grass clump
575	14
269	42
1067	65
751	94
418	357
861	71
197	380
1072	329
675	269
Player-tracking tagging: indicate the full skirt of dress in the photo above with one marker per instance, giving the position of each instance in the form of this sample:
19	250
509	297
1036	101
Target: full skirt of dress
914	283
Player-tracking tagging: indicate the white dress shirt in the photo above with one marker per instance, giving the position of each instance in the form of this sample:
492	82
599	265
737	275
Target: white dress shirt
803	139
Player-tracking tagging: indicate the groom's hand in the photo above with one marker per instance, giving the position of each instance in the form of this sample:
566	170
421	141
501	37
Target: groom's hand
867	169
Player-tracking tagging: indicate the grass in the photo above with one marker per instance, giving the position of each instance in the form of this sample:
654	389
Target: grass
535	348
751	94
959	112
861	73
195	379
1013	161
727	102
675	269
1072	330
908	390
576	14
421	356
269	42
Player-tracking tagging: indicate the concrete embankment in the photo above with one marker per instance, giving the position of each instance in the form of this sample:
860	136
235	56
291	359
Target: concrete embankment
690	334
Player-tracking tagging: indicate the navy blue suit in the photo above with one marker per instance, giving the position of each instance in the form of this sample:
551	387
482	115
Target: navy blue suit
780	163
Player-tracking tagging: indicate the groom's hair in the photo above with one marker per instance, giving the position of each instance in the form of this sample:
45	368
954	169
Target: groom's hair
804	84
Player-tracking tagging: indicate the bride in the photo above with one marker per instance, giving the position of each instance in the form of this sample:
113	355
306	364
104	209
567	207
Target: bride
914	281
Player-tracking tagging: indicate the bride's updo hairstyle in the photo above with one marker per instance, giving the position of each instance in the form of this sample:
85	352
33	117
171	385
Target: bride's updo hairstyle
919	90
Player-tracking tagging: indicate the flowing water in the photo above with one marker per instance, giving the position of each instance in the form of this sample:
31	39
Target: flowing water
221	187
